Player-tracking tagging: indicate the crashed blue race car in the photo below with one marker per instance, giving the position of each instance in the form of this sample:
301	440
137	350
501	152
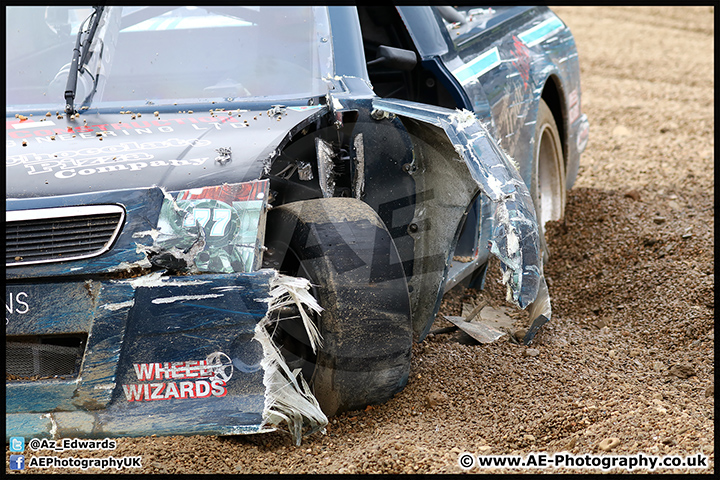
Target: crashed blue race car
225	220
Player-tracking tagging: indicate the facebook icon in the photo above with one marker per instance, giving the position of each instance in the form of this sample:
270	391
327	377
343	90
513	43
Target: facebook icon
17	462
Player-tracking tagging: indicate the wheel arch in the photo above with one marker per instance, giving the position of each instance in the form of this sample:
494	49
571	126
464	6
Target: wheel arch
552	93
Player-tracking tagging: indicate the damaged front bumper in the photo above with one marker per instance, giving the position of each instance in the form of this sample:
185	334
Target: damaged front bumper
167	333
164	355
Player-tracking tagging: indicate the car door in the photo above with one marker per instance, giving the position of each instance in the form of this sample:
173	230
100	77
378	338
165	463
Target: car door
490	63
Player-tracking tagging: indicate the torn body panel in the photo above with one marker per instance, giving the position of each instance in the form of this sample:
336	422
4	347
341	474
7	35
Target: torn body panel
205	364
439	135
141	377
205	354
213	229
287	395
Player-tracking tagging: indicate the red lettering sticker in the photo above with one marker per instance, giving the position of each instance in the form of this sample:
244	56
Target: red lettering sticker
204	383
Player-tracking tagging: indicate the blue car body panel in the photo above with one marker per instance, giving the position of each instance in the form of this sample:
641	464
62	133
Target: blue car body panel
502	63
171	325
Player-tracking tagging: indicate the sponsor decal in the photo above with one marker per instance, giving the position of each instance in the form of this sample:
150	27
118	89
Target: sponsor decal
21	125
522	60
574	106
226	217
16	303
89	161
573	97
583	135
197	379
23	133
119	128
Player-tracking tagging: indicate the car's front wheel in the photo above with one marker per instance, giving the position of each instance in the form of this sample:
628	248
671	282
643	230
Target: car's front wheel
344	249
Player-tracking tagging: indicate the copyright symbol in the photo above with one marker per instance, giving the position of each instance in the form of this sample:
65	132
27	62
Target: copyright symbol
34	443
466	460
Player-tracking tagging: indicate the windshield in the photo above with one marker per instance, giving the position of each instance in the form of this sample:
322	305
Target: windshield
166	55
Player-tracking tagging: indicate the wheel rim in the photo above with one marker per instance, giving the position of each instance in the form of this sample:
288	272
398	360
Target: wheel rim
549	204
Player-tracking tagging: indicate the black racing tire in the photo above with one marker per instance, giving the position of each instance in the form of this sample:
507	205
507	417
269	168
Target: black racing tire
548	178
344	249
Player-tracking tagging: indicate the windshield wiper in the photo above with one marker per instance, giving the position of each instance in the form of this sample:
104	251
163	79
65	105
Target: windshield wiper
79	58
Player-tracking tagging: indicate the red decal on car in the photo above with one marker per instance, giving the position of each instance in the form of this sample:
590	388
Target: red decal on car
522	62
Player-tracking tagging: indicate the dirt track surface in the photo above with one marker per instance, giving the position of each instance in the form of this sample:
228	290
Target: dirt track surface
629	352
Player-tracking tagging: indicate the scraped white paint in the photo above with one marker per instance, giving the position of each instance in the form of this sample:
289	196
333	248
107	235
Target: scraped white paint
53	429
184	297
336	104
507	276
117	306
156	279
496	187
109	386
151	280
464	118
228	288
460	149
151	233
170	198
123	266
182	283
513	243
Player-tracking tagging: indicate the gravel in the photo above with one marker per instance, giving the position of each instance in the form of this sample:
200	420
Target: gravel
626	365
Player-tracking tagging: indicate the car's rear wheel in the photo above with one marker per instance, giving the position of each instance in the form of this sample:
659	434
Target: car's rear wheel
344	249
548	179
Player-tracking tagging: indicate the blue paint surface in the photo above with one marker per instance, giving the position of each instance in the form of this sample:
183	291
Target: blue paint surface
534	35
478	67
182	319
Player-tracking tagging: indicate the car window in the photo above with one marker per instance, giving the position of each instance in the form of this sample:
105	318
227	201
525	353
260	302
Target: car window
162	55
421	26
385	26
465	23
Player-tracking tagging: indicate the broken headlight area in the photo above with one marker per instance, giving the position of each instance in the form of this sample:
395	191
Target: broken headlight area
221	230
211	230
